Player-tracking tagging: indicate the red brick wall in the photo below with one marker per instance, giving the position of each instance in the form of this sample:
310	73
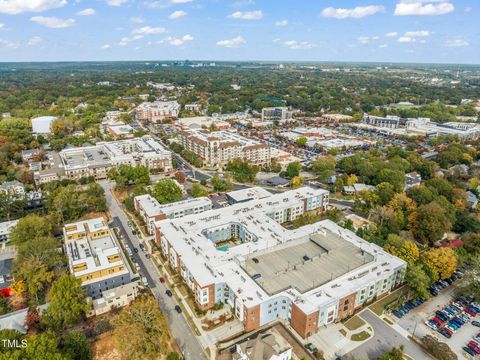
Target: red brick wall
251	318
346	306
305	325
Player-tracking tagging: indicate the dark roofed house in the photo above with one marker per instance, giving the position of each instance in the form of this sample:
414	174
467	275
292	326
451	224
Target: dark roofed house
278	181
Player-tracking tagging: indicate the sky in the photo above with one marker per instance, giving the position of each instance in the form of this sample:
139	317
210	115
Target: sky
418	31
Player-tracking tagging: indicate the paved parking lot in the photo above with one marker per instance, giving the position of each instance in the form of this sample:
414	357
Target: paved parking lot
414	321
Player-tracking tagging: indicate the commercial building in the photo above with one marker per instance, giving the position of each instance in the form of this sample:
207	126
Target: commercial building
95	257
121	131
426	127
5	228
242	256
201	122
390	121
157	111
52	169
96	160
219	147
42	124
276	113
150	210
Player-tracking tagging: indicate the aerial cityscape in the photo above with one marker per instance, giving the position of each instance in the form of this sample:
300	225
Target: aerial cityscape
239	180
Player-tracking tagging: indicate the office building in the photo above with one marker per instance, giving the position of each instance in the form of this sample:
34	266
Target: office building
276	113
390	121
157	111
219	147
242	256
94	256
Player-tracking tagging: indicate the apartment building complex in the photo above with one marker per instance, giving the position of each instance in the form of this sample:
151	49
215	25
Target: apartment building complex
157	111
242	256
95	257
281	113
218	148
96	160
390	121
150	210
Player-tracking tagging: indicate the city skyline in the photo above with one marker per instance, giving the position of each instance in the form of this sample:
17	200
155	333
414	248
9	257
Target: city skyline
401	31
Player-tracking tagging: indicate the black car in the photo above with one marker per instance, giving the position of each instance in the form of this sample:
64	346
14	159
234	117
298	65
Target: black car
169	293
178	309
135	249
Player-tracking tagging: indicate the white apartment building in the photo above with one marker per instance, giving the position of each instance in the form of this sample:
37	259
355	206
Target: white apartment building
242	256
96	160
95	257
276	113
157	111
426	127
218	148
390	121
150	210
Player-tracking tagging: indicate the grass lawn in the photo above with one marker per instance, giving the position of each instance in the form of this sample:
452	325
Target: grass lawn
380	306
354	323
360	336
343	332
387	321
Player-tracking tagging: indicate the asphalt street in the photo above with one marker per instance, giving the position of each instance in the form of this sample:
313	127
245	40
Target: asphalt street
179	328
383	340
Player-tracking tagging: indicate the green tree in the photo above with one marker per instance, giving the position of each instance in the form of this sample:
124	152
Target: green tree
418	281
296	182
301	141
429	222
30	226
43	346
167	191
324	166
293	169
220	184
385	192
198	191
76	346
396	353
242	170
394	177
67	302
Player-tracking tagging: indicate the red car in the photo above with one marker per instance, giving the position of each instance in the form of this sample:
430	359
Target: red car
474	346
470	312
438	321
162	280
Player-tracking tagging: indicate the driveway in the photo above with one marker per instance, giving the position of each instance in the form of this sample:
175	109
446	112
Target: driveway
384	339
182	333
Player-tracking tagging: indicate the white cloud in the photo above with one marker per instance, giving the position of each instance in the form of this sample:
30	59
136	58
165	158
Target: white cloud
177	14
13	7
456	43
247	15
366	39
105	46
383	46
34	40
177	41
411	36
232	43
137	20
125	40
8	44
391	34
2	26
116	2
423	7
148	30
162	4
303	45
281	23
356	12
86	12
53	22
242	3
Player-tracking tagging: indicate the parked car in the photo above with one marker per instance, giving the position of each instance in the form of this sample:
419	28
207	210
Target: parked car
469	351
178	309
476	323
169	293
162	279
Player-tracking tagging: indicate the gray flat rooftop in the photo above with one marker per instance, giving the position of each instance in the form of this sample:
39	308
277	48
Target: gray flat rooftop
329	256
